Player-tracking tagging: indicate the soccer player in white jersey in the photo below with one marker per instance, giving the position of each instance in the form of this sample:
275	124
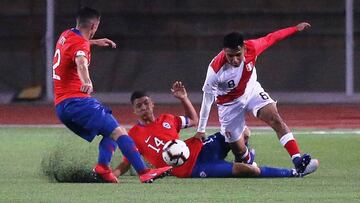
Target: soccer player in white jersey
231	81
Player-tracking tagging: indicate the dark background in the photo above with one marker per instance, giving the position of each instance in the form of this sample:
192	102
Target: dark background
160	41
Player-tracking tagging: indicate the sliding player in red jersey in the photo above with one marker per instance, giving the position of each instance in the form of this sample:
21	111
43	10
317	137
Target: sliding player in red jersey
231	80
207	157
81	113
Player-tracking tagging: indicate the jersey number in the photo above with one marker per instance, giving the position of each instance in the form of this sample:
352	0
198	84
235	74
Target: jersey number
231	84
158	143
264	95
56	55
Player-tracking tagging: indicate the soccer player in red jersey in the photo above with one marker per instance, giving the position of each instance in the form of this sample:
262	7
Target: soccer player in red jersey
207	157
81	113
231	80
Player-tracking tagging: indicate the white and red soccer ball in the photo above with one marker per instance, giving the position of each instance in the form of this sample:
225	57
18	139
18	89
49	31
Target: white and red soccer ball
175	153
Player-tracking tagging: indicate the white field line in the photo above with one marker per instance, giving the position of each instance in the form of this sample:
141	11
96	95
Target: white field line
299	131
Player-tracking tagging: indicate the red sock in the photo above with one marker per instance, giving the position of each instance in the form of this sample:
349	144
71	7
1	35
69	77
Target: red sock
289	142
246	156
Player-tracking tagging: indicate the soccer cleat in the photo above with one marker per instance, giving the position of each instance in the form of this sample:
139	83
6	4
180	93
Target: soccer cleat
105	173
153	174
310	168
302	162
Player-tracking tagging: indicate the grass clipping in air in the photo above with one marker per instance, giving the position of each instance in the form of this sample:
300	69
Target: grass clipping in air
70	161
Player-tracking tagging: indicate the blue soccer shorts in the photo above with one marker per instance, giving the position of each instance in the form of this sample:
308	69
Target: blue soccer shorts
211	160
86	117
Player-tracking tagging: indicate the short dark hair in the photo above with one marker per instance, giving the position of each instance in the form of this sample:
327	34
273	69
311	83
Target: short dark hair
137	95
86	14
233	40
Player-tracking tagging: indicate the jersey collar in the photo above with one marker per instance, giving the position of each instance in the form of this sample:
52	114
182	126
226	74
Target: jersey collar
76	31
140	123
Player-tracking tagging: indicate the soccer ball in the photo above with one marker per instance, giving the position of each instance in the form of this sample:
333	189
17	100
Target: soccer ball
175	153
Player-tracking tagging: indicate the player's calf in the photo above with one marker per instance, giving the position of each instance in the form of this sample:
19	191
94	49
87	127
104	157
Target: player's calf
246	136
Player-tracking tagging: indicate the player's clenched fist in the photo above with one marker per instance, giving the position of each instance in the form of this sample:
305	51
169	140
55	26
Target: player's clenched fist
87	88
104	42
302	26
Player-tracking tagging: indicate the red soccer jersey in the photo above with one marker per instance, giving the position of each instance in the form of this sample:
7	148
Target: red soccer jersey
150	140
66	80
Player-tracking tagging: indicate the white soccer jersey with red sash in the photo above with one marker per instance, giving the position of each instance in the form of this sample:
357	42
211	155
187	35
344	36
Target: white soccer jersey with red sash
229	83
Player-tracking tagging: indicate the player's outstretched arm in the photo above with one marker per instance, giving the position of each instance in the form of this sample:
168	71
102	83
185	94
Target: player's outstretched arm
122	168
104	42
83	72
179	92
261	44
303	26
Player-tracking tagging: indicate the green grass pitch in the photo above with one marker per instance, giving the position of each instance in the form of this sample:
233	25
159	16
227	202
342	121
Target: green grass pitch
23	149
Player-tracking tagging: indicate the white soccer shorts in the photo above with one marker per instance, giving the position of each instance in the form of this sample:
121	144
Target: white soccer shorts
232	117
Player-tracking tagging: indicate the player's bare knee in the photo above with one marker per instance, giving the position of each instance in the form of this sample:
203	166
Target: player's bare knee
119	131
257	170
245	170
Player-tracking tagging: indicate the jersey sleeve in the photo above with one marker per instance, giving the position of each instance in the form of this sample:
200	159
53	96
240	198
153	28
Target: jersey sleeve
182	122
211	81
261	44
80	49
207	101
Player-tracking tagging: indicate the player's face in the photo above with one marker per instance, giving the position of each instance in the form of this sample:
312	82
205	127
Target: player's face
94	27
143	107
234	56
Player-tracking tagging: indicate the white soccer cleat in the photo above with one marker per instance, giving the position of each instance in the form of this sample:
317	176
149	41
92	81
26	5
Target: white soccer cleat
310	168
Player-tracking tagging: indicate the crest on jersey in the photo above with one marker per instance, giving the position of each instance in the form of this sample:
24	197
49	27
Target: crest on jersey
250	66
166	125
62	40
203	174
